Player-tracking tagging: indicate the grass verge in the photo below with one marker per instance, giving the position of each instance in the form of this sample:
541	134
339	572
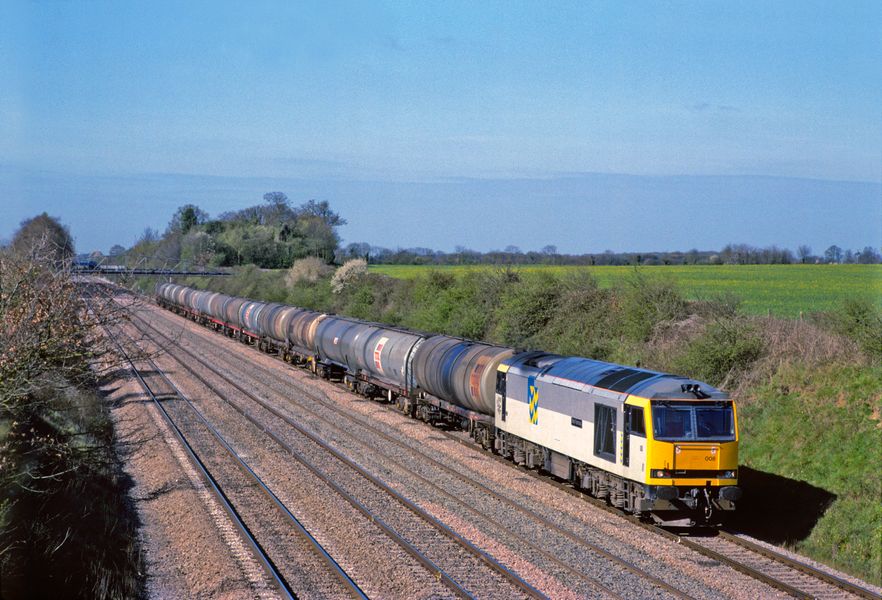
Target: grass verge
824	427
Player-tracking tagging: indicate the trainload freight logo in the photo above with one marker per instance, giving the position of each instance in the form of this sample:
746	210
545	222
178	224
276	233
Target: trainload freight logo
378	354
533	400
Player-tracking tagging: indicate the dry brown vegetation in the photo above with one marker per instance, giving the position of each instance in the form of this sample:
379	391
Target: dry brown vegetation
65	525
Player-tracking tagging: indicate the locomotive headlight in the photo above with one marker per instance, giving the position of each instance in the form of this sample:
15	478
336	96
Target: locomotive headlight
727	475
661	473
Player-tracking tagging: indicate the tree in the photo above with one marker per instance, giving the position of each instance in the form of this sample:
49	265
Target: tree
45	238
358	250
868	256
322	210
278	210
116	250
149	236
318	236
804	252
186	218
833	254
276	198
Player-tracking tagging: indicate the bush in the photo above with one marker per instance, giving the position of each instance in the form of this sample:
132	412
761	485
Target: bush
347	274
442	303
645	302
526	308
65	527
582	323
861	320
307	270
726	348
368	297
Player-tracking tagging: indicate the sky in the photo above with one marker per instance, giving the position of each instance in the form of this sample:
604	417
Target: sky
587	125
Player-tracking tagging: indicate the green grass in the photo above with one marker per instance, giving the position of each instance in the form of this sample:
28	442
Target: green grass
824	427
785	290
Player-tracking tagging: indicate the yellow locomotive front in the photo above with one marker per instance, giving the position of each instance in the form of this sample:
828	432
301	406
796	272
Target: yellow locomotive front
692	458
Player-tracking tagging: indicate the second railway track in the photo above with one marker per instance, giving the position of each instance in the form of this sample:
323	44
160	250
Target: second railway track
296	564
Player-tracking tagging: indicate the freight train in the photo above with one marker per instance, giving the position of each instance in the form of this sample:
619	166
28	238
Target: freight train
660	446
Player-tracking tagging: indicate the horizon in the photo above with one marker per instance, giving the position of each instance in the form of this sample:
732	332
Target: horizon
587	214
638	126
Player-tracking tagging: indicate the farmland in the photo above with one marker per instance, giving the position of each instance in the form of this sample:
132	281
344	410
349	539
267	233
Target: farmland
785	290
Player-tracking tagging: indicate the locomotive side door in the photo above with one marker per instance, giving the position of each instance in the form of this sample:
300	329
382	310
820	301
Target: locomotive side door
634	435
500	395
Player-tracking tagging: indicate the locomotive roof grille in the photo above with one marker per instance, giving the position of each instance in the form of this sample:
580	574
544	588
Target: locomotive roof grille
618	378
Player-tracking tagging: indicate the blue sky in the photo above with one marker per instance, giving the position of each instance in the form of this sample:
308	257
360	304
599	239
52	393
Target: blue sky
406	114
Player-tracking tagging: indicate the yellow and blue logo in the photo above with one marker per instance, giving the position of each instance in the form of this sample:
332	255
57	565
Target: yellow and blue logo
533	400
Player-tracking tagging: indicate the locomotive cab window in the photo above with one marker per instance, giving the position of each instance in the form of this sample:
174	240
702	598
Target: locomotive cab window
605	432
634	423
683	421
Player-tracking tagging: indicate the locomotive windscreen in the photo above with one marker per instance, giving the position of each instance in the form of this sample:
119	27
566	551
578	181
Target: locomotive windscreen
689	421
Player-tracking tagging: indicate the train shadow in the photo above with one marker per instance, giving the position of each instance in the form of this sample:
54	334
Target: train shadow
776	509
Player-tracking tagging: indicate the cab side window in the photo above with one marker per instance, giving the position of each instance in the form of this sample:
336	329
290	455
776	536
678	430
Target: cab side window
636	424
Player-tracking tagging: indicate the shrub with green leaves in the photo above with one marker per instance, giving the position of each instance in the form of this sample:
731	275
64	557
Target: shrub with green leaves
861	320
526	307
726	348
645	302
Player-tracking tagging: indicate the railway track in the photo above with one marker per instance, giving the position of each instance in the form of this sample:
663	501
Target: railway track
599	559
793	577
790	576
780	571
466	570
253	515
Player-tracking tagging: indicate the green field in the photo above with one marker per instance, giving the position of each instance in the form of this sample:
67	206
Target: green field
785	290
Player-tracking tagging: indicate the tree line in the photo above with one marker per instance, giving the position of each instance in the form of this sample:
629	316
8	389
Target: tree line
731	254
275	234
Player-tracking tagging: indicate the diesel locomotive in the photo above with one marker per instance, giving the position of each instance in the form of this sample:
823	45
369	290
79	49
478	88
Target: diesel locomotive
660	446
